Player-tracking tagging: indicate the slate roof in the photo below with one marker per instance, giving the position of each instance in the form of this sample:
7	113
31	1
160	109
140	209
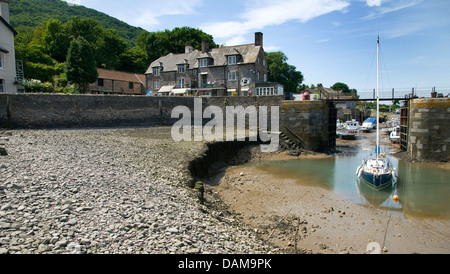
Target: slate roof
169	62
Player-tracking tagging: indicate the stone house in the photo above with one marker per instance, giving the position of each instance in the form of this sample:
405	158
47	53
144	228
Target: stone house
227	71
117	82
7	51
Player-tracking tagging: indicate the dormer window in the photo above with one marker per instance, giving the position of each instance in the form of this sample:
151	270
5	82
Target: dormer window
181	68
203	63
156	71
232	60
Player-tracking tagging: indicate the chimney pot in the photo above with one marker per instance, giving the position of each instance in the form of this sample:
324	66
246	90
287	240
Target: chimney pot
189	48
258	39
205	46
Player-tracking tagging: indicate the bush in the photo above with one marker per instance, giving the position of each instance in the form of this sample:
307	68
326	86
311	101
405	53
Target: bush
36	86
71	90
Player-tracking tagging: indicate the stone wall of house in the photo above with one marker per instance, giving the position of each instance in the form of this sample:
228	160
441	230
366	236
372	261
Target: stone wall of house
213	74
429	129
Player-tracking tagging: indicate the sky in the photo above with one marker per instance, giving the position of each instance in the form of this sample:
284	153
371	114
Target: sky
329	41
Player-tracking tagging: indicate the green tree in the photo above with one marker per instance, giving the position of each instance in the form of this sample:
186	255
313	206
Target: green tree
89	29
81	68
108	49
341	87
133	60
280	71
161	43
56	40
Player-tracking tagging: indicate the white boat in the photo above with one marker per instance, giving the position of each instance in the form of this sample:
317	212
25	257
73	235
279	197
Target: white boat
376	170
394	137
390	126
349	130
368	125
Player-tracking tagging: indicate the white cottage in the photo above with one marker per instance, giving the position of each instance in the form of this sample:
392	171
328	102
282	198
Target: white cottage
7	52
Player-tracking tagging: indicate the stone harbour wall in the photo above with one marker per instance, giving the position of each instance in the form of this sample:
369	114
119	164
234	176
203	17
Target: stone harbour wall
429	129
34	111
75	111
307	120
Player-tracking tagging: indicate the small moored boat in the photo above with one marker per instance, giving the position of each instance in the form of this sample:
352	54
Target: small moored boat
376	170
368	125
349	130
394	137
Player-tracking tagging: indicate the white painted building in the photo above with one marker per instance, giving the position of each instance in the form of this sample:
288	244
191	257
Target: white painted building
7	52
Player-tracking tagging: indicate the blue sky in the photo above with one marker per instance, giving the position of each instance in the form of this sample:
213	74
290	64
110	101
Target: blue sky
329	41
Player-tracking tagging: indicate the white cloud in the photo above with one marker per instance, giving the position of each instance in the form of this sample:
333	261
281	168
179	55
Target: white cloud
260	14
372	3
144	13
390	6
149	15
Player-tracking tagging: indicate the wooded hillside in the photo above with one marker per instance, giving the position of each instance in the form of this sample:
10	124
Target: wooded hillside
33	13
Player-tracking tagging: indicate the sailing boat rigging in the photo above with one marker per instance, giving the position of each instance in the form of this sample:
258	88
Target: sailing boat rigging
376	170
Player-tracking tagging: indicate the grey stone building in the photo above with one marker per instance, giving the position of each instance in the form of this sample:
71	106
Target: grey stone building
7	51
227	71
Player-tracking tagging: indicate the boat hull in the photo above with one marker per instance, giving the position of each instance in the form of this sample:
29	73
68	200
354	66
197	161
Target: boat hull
377	181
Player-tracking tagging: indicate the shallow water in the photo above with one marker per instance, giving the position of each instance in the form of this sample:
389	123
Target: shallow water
423	188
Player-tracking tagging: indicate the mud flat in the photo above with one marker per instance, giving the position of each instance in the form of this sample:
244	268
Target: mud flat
304	218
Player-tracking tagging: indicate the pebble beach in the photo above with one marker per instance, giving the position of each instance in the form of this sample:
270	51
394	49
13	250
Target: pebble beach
109	191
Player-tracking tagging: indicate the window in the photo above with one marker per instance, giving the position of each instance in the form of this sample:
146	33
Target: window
155	71
204	63
181	83
181	69
264	62
2	89
265	77
232	60
232	76
100	82
2	60
156	85
259	76
130	85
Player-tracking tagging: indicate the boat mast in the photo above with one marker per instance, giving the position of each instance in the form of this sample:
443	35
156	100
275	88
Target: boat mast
378	96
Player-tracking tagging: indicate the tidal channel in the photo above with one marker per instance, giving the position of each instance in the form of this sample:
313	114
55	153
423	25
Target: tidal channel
423	188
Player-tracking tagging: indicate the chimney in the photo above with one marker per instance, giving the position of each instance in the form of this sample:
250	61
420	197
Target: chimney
205	46
188	48
258	39
4	10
